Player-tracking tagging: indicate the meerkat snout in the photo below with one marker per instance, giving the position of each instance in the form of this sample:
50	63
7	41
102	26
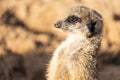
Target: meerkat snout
58	24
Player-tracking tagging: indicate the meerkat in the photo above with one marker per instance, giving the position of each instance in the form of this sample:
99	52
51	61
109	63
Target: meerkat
76	57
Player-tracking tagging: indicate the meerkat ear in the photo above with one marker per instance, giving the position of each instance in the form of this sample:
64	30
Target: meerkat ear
95	26
98	26
96	23
97	19
91	26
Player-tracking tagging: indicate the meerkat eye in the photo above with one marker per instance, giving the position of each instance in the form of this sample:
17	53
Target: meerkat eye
73	19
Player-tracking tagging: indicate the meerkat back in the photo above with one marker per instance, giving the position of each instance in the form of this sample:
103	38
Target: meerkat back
76	57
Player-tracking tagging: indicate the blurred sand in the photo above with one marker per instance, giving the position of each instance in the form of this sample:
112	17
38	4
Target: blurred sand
28	38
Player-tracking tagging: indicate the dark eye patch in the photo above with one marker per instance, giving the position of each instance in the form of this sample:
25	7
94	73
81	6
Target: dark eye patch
73	19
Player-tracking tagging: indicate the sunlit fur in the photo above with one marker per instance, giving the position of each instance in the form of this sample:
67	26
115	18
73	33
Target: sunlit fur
76	57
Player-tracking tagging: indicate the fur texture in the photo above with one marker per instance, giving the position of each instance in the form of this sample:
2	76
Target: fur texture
76	57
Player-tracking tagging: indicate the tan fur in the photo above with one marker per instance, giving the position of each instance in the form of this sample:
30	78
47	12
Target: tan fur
76	57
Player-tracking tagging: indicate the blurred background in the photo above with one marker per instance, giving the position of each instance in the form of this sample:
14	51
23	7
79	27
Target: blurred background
28	37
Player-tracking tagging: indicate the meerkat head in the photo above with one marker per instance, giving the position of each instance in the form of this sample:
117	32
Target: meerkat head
83	20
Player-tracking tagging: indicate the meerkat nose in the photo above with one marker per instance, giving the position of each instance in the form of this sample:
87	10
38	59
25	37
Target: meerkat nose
58	24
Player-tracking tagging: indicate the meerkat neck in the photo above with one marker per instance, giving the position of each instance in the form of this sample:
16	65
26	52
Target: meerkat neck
74	37
77	43
82	39
74	40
